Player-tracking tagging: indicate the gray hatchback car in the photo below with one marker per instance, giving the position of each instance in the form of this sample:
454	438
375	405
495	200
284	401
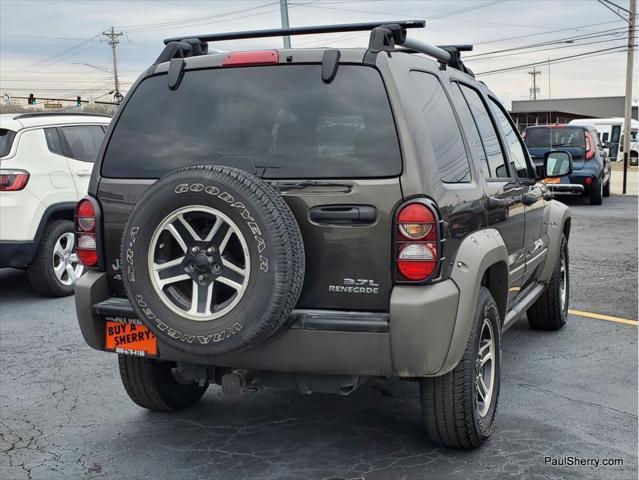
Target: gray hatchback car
315	218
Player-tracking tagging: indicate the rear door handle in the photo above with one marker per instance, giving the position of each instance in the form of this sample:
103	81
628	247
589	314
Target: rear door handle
529	199
496	202
83	173
343	214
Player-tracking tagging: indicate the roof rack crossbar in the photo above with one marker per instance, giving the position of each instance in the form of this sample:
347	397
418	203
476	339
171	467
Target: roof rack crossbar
384	36
438	53
447	54
281	32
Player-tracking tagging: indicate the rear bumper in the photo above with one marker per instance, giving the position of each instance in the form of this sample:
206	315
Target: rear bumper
410	341
17	254
566	188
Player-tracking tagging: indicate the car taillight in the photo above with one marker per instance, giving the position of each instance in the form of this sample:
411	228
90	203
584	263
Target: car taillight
86	231
417	242
590	151
264	57
13	180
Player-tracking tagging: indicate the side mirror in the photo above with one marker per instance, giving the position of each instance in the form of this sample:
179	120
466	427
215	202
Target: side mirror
557	163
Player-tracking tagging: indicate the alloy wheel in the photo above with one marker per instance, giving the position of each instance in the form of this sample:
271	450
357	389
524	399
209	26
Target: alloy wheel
199	263
66	266
485	369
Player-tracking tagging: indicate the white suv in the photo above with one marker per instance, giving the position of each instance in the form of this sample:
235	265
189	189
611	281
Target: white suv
45	166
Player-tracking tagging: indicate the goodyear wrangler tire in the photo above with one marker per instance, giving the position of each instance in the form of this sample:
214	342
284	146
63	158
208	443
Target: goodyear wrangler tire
213	260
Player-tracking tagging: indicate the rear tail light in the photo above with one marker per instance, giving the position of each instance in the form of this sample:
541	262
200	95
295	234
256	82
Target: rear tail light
590	149
237	59
13	180
86	215
417	242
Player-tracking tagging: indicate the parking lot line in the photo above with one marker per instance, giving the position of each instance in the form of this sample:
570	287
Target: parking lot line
607	318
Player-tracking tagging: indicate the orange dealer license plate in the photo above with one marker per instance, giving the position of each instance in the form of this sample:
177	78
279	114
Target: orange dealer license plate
552	180
130	336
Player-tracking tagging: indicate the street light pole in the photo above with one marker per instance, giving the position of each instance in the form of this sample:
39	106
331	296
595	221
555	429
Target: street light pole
284	14
627	119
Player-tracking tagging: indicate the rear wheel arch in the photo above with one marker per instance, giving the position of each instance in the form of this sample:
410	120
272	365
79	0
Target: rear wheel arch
559	225
481	259
56	211
566	227
495	279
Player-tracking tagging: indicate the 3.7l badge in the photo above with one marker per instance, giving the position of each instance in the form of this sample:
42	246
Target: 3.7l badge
359	285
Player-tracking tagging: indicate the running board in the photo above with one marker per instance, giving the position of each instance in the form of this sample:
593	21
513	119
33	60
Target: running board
524	303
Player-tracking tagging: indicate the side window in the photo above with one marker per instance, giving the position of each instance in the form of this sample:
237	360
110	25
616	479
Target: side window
53	141
82	141
441	126
513	142
490	139
469	126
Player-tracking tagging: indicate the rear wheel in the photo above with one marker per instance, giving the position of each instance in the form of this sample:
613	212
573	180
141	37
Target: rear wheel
459	407
155	384
606	189
550	311
55	267
596	192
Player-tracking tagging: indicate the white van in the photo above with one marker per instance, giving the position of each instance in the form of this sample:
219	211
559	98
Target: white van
611	136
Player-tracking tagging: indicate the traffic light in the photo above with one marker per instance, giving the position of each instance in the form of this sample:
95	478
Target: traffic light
32	100
78	100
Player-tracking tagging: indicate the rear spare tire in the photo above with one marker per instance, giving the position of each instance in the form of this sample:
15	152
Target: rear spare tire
213	260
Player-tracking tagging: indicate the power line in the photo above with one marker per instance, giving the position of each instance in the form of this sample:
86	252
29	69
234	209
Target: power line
618	48
583	36
185	21
561	47
608	4
578	27
395	14
67	53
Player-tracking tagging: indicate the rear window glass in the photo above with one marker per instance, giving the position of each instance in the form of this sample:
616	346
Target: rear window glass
555	137
6	140
283	120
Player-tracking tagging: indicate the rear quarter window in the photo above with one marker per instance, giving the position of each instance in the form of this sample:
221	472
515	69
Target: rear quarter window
283	120
440	127
6	141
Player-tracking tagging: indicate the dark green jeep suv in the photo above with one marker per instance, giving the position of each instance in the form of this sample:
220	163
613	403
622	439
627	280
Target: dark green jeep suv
315	218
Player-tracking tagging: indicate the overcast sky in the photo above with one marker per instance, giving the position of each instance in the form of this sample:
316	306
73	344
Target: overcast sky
44	43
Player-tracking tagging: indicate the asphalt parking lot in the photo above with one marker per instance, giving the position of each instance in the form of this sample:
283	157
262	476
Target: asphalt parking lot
573	393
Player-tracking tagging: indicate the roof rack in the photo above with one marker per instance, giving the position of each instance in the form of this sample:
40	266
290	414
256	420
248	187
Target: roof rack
384	36
281	32
49	114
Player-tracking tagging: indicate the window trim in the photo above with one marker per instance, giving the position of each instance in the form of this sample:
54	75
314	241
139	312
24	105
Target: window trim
500	139
457	85
65	145
532	176
469	157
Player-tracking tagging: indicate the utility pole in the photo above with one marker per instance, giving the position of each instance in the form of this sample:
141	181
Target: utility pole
534	90
284	14
627	119
112	40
